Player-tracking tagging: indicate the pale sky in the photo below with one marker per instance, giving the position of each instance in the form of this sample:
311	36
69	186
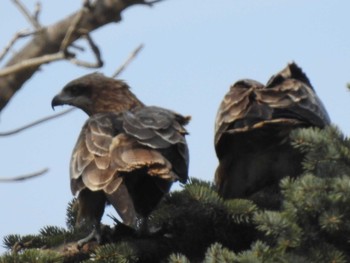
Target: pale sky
194	50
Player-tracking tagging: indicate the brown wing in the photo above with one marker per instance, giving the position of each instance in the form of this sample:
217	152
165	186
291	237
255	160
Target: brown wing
162	130
252	131
288	99
105	149
91	165
291	95
132	157
240	109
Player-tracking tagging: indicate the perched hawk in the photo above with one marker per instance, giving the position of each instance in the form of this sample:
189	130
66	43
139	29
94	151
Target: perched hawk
252	134
127	154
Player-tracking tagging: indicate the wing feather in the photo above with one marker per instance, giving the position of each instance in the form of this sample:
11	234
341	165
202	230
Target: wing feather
111	144
287	96
252	131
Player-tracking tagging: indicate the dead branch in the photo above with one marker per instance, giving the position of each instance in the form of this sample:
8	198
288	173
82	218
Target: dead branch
37	11
62	54
11	43
131	57
32	62
32	19
23	177
148	3
48	41
35	123
95	51
67	40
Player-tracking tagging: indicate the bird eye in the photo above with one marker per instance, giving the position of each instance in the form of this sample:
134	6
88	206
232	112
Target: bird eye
76	90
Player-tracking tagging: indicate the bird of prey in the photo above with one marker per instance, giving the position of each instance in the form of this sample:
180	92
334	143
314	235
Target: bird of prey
252	134
127	154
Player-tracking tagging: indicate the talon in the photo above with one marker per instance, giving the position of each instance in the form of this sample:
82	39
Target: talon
94	235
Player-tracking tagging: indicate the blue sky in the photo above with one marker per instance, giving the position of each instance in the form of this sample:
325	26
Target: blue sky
194	50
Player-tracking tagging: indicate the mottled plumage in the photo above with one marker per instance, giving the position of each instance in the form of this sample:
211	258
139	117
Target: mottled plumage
252	133
127	154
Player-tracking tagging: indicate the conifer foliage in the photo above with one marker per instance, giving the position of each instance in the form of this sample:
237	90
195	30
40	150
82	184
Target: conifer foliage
196	225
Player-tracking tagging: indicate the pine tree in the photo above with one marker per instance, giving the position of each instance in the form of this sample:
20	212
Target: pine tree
196	225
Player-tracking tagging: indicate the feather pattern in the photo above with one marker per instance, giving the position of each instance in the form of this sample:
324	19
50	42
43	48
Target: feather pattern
252	131
104	152
127	154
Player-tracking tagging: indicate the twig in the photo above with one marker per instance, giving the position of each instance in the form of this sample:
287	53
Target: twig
149	3
100	14
95	51
37	11
153	2
127	61
71	30
35	123
24	177
77	47
17	36
26	13
32	62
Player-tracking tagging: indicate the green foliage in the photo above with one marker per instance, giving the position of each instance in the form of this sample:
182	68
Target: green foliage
27	241
216	253
197	225
71	214
178	258
327	151
202	192
114	253
259	252
48	237
32	256
241	210
284	231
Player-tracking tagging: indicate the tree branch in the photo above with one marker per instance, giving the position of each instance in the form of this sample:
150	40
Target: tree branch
32	62
11	43
131	57
37	11
35	123
48	41
24	177
95	51
32	19
67	40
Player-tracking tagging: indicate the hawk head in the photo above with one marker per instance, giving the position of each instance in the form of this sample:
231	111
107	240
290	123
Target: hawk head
95	93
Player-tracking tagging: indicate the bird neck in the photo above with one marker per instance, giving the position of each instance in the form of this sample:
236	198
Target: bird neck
115	102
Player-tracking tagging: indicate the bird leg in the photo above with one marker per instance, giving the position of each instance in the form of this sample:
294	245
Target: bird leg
96	234
90	210
123	204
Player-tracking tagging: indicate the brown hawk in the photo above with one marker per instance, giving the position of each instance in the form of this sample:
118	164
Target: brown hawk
127	154
252	134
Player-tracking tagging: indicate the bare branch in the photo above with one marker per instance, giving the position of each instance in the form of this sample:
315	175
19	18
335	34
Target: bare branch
37	11
32	62
150	3
63	54
26	13
71	30
35	123
131	57
17	36
77	47
24	177
100	13
95	51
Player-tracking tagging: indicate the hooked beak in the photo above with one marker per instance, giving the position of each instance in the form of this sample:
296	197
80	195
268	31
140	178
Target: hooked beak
58	100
